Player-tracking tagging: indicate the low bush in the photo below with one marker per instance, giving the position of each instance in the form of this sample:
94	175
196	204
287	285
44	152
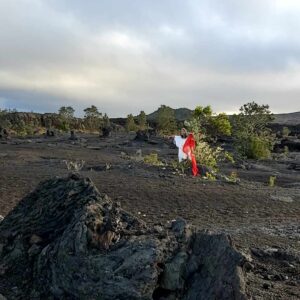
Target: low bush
272	180
152	159
256	147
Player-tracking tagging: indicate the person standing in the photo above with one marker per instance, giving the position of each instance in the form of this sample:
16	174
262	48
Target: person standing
186	145
179	141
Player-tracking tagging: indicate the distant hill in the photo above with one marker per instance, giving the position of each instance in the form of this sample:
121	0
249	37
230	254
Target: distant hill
287	119
181	114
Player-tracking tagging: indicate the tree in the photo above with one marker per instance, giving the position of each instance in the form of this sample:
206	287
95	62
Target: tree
67	112
211	124
166	122
253	138
92	118
220	125
142	120
66	115
92	112
130	123
106	121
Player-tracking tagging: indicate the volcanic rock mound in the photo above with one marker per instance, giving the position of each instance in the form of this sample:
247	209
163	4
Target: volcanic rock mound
67	241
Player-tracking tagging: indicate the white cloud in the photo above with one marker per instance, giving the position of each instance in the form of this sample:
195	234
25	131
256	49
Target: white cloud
139	54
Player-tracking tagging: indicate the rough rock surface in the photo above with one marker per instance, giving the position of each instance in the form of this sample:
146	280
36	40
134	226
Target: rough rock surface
142	135
67	241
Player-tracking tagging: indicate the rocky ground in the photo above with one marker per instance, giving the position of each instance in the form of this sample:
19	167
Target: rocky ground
262	221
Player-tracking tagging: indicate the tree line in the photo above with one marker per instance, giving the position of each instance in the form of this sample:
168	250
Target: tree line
249	128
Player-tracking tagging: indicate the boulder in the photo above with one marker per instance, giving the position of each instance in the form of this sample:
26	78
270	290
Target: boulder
105	131
65	240
73	136
4	134
142	135
50	133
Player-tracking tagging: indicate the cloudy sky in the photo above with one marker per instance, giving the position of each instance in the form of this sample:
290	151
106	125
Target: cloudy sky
129	55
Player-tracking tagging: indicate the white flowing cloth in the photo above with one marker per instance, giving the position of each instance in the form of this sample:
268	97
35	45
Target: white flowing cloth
179	142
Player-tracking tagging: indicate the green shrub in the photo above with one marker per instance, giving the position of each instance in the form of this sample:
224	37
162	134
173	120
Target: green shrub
130	123
257	148
207	155
228	157
180	167
63	126
285	131
233	177
272	180
210	176
253	138
152	159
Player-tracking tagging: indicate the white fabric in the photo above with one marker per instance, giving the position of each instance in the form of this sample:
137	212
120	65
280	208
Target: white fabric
179	142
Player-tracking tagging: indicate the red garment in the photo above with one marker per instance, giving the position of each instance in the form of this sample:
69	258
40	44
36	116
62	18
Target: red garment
188	148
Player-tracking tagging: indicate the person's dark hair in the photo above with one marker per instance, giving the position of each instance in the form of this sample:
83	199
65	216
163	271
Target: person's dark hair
183	133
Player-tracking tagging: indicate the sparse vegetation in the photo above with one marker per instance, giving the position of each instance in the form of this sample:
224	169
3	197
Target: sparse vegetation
152	159
180	167
286	150
233	177
285	132
272	180
74	165
210	176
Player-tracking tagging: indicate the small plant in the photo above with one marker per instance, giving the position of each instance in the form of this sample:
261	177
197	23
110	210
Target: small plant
228	157
233	177
285	131
152	159
272	180
74	165
138	157
180	167
210	176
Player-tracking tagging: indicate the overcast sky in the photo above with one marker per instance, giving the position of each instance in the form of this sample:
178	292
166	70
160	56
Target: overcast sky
129	55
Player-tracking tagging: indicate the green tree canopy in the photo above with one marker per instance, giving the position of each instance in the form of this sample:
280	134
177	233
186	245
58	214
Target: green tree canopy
166	121
211	124
253	118
66	112
130	123
253	138
93	118
92	112
142	120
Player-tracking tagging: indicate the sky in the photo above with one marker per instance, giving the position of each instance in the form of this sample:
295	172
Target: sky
124	56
